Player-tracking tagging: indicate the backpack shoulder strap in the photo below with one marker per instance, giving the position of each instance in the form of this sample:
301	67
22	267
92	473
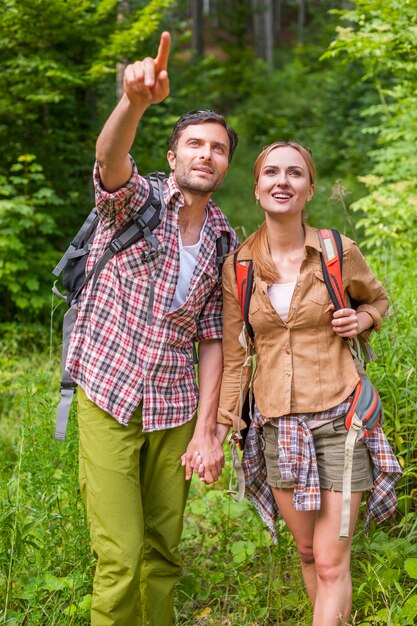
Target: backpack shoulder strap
74	250
141	226
222	249
244	280
331	259
332	262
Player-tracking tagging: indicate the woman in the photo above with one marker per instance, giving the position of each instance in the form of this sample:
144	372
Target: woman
304	380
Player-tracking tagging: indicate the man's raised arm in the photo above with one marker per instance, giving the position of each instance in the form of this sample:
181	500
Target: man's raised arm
145	82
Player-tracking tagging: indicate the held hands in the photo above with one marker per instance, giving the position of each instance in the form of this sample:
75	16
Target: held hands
204	456
349	323
146	82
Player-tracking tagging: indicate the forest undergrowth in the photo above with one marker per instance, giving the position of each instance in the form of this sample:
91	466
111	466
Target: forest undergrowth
233	574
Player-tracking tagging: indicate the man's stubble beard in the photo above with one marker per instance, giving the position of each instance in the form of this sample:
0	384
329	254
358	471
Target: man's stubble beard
198	187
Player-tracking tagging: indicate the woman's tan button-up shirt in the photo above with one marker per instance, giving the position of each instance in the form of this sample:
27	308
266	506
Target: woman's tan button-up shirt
302	365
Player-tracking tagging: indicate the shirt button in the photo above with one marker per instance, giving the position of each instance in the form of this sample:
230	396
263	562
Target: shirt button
287	351
288	374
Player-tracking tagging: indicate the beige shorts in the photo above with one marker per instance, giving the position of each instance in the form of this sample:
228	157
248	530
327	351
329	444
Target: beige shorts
329	442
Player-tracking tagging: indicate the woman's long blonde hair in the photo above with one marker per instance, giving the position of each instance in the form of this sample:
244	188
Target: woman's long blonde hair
258	241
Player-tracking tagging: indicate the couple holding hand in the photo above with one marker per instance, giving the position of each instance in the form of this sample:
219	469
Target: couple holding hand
140	436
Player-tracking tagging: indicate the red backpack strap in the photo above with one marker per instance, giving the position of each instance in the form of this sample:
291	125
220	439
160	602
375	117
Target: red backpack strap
244	280
331	262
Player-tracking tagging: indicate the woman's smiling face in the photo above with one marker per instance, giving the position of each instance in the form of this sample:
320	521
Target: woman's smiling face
284	185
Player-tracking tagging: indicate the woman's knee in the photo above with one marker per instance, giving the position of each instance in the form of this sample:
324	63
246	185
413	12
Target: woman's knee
331	568
306	553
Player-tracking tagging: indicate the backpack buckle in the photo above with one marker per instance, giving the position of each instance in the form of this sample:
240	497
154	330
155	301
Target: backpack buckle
70	385
115	246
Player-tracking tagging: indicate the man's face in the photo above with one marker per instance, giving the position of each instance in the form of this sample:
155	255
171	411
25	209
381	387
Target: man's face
202	157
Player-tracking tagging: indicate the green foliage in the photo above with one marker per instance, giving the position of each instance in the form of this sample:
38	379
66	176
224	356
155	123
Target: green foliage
381	35
26	223
43	562
134	27
45	568
389	215
233	574
51	96
227	541
385	577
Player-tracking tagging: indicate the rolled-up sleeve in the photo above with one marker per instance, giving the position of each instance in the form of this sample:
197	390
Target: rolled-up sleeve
366	289
235	376
118	207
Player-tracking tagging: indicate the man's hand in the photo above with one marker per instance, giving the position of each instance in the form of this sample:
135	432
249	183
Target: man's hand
205	457
146	82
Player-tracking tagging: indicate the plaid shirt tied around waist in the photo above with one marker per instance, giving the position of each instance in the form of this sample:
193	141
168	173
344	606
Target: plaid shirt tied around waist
297	461
115	355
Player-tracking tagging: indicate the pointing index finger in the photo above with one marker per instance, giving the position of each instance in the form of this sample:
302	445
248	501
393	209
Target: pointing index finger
161	61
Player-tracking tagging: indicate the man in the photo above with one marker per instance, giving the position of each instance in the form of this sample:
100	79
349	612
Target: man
131	354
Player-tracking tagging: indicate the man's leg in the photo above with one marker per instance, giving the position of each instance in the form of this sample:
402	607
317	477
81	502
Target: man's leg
110	485
164	494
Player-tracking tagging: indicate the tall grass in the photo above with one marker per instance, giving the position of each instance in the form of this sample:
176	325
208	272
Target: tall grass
233	574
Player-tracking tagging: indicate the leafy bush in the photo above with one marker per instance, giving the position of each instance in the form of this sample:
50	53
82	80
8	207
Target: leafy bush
27	208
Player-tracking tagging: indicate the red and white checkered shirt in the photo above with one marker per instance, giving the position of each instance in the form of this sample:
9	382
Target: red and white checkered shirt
114	355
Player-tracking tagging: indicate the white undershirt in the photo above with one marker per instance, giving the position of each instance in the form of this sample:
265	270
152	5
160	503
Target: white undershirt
188	262
280	296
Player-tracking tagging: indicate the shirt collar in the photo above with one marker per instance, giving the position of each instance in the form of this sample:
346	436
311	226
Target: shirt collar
215	218
311	241
174	192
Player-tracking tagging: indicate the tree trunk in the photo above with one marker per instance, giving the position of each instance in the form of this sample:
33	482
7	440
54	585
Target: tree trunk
301	18
264	29
277	19
197	16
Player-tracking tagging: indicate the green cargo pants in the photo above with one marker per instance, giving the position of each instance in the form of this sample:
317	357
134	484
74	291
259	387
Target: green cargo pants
134	490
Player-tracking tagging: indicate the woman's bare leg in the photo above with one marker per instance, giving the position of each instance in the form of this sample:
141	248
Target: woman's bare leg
325	559
301	525
332	561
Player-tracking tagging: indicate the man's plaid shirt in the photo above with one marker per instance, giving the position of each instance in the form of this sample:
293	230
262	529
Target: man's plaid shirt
114	355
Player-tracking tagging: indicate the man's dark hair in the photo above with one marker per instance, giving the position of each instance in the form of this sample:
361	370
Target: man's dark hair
202	116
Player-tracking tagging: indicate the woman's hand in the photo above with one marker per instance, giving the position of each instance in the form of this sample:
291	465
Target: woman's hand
221	432
348	323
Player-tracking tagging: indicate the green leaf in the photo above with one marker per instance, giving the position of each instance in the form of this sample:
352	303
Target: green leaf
409	610
53	583
410	566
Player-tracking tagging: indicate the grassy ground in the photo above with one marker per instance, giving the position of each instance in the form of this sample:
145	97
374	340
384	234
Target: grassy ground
233	574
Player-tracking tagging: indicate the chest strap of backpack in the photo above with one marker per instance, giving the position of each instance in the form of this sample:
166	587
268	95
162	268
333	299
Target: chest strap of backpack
141	226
